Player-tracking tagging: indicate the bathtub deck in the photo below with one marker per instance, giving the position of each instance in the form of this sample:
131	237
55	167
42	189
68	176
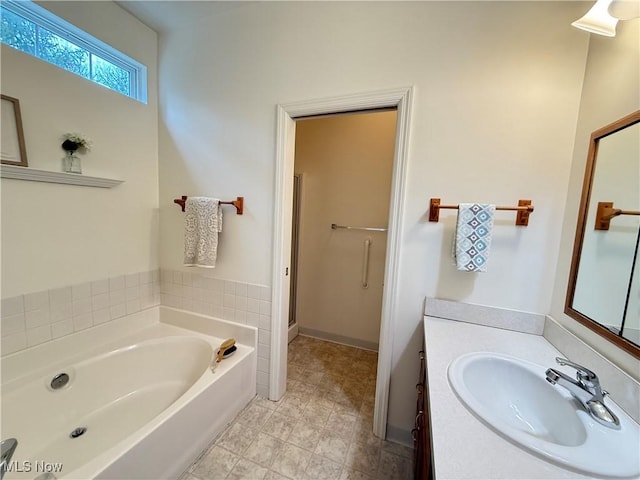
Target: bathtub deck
320	429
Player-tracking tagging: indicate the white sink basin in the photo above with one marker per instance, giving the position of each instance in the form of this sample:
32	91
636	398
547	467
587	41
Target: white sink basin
512	397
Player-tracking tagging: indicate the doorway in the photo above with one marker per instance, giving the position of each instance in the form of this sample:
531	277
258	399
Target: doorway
285	154
340	218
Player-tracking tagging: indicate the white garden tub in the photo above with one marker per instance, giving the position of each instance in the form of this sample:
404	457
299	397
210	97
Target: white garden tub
142	389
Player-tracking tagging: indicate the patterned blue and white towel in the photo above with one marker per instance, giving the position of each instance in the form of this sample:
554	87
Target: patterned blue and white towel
473	236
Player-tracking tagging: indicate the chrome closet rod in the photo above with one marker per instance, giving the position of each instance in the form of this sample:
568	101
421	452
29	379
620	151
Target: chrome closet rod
368	229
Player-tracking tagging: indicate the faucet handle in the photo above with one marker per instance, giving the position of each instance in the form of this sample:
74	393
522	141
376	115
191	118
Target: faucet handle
584	374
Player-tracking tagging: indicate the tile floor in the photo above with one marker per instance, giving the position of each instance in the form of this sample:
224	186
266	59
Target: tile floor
320	429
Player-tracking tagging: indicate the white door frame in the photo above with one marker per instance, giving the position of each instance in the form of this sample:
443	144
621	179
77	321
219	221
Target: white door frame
285	150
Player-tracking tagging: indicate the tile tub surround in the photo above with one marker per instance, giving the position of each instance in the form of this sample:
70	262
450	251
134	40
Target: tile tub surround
320	429
243	303
38	317
463	447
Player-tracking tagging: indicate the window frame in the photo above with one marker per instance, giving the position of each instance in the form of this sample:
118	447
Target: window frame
58	26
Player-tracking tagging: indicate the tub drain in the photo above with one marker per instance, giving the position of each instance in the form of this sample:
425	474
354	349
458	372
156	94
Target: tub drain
78	432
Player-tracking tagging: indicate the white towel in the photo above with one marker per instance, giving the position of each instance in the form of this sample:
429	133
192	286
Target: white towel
472	241
203	222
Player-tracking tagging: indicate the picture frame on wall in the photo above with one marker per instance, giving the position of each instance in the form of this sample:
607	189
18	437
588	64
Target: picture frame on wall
12	146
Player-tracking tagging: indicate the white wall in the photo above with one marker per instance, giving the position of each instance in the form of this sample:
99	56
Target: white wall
610	92
493	120
56	235
346	162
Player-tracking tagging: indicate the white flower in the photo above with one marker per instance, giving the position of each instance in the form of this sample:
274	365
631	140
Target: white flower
84	143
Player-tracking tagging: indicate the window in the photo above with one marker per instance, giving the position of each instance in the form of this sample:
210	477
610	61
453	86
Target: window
36	31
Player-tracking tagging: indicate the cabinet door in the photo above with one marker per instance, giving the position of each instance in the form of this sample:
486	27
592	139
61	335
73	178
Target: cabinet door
419	427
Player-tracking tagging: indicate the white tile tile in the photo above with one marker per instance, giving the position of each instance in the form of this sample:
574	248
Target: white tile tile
155	275
187	279
200	307
166	275
98	287
241	303
187	303
264	323
13	324
132	293
116	283
80	291
262	378
176	290
264	351
145	278
265	307
264	337
61	329
229	287
263	365
131	280
80	307
242	289
12	306
60	296
253	305
214	310
229	301
228	314
117	311
265	293
116	297
177	277
241	316
253	319
81	322
133	306
100	301
37	318
197	280
36	336
147	301
254	291
199	294
36	301
101	316
146	290
215	298
14	343
214	284
262	389
188	292
61	312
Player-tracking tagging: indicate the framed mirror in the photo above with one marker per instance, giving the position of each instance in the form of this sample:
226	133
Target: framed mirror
12	146
604	282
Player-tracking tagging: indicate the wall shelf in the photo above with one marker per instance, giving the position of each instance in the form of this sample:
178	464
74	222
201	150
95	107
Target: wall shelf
34	175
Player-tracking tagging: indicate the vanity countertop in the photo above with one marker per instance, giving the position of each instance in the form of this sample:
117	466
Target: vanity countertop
463	447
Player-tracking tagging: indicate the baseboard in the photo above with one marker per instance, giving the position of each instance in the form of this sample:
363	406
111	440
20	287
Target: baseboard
332	337
293	332
399	435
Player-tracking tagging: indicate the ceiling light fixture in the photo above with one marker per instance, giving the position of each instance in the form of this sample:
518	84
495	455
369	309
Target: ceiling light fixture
598	20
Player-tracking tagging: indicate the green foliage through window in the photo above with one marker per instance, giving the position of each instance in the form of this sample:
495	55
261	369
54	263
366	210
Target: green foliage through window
31	37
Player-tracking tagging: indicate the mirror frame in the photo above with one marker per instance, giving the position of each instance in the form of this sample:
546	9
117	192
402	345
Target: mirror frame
588	322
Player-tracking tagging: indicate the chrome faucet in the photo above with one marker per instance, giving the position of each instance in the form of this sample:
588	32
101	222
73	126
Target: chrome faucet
7	447
586	388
